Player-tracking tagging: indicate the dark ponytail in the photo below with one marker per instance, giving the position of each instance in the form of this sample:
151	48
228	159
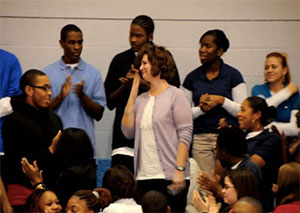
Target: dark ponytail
268	113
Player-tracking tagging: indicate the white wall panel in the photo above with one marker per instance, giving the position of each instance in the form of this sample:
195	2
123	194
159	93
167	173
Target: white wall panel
30	29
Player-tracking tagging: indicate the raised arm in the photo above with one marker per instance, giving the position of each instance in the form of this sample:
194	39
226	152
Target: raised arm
128	120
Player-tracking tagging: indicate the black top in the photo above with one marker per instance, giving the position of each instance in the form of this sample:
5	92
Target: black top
118	68
27	132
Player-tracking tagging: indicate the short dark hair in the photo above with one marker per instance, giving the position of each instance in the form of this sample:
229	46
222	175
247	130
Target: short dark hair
145	22
245	183
252	201
233	141
66	29
258	104
220	38
154	201
74	147
29	78
161	60
120	182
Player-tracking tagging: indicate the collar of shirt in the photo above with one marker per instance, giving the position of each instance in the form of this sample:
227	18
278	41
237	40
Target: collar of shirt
79	67
202	74
253	134
236	165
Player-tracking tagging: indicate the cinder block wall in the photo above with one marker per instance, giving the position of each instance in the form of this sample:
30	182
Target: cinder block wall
30	29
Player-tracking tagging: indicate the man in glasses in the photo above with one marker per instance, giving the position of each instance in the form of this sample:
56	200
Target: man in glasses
78	94
30	131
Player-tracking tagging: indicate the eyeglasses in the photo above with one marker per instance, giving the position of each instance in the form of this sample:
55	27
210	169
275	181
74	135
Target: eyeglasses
227	187
45	88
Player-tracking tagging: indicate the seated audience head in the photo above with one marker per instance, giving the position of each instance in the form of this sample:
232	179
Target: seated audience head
255	114
246	205
120	182
74	147
276	68
213	44
141	32
288	183
239	183
160	59
36	86
231	143
89	201
155	201
42	200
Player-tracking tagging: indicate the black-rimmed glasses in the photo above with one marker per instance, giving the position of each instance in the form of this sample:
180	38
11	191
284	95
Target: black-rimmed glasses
45	88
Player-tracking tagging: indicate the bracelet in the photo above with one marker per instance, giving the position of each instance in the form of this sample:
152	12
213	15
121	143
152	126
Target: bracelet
180	168
40	185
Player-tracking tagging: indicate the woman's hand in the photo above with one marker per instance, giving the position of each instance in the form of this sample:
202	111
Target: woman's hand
202	205
32	171
54	143
178	182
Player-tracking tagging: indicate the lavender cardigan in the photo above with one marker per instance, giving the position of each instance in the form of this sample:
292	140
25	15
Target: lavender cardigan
172	123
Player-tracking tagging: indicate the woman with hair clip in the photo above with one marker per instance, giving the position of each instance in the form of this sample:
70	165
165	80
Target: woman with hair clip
288	194
160	120
89	201
280	93
118	84
264	147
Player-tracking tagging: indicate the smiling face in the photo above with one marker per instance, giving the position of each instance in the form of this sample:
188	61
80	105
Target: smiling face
274	71
229	192
39	97
138	37
246	116
49	203
77	205
72	47
208	50
145	68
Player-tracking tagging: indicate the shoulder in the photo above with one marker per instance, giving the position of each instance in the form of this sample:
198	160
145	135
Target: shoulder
123	56
51	67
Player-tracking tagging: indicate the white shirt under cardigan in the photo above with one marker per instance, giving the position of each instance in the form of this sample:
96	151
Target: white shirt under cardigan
147	170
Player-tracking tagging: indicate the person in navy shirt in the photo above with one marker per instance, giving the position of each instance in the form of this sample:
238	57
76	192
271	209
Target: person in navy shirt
211	80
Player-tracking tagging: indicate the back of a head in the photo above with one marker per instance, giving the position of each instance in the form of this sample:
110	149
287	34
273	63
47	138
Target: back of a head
154	201
29	78
220	38
145	22
95	200
288	183
258	104
74	147
120	182
247	204
233	141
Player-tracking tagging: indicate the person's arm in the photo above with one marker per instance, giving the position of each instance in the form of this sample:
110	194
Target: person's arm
278	97
196	111
4	203
65	90
184	124
290	128
128	119
5	106
239	93
258	160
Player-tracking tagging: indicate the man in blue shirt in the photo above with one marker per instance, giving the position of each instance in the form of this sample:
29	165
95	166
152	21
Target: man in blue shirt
78	94
10	74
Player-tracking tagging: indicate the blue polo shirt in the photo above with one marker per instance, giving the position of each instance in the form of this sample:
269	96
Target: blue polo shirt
284	109
71	110
197	82
10	74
